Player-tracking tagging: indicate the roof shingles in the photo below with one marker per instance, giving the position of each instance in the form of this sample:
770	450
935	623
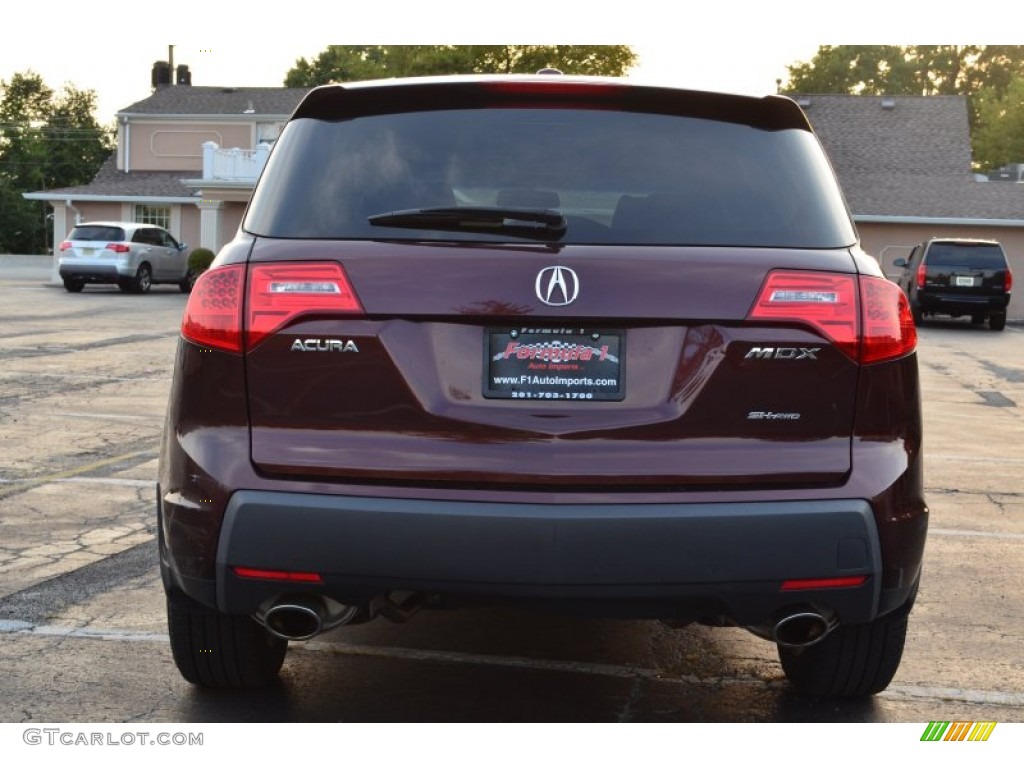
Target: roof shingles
111	182
910	159
213	100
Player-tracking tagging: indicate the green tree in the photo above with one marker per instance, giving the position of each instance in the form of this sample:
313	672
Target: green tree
47	140
998	138
345	63
853	69
918	70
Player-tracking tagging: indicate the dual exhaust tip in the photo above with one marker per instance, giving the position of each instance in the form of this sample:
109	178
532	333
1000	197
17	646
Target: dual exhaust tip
304	617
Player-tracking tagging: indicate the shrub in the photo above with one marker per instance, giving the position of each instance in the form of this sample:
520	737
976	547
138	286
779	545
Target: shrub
199	260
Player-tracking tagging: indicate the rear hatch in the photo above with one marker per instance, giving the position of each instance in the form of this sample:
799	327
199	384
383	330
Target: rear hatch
966	269
456	372
93	242
666	299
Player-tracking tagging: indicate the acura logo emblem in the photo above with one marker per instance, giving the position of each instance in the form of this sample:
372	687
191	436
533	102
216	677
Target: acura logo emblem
557	286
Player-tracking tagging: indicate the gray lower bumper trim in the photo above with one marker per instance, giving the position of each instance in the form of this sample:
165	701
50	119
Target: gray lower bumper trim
405	542
90	272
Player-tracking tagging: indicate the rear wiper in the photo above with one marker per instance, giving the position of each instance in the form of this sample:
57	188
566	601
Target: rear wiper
535	223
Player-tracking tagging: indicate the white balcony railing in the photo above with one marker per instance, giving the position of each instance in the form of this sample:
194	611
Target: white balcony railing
233	164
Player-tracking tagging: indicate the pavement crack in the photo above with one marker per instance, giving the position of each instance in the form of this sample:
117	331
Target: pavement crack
635	695
996	502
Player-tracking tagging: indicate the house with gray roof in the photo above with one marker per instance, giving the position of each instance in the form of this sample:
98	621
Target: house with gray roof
187	159
904	163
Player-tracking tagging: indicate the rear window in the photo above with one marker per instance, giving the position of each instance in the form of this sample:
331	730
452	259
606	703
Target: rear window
617	177
976	255
95	232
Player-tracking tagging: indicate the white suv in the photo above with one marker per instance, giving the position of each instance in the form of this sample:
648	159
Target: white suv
134	256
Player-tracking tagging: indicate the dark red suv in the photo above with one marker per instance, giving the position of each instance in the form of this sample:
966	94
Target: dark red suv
578	343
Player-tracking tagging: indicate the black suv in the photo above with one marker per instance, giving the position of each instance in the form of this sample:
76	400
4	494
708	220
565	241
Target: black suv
956	277
583	344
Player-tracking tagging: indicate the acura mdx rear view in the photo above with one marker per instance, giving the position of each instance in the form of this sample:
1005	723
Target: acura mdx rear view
576	343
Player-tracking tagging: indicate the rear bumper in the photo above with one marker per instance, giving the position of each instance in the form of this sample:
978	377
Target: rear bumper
961	304
683	561
109	272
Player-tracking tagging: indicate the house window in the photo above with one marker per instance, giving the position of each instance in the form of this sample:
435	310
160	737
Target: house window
267	133
157	215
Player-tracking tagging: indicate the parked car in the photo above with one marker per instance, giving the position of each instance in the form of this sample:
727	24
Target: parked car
956	277
134	256
583	344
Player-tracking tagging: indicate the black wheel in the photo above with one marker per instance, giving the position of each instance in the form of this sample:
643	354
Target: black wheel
188	281
73	285
854	660
218	650
915	310
997	321
143	280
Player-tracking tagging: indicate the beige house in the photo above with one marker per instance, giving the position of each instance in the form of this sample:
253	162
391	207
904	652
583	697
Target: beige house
187	159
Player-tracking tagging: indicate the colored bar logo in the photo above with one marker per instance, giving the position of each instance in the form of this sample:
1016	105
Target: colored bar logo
958	731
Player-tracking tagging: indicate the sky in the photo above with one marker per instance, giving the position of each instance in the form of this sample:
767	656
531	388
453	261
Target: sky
122	76
742	46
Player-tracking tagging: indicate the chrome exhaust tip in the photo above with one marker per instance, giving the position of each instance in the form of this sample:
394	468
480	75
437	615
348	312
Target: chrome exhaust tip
293	621
803	629
303	617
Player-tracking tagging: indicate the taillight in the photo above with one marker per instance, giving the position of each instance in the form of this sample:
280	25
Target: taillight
889	330
65	245
867	318
1009	281
921	271
280	292
213	314
277	294
118	247
827	302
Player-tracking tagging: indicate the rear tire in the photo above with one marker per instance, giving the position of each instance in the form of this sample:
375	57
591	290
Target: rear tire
854	660
143	279
997	321
73	285
915	310
219	650
189	280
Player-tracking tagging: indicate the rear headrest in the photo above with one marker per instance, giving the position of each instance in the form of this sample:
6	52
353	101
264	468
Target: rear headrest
660	217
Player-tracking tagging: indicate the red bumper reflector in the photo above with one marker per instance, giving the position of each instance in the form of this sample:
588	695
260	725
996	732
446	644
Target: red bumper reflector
260	573
792	585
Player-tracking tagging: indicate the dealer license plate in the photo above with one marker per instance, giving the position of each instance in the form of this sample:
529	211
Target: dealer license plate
554	364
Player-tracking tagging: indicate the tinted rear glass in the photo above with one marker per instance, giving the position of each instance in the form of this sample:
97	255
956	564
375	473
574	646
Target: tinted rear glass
980	256
618	177
97	232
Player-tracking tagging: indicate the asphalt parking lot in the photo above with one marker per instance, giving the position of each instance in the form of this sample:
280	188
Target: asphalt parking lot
83	384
